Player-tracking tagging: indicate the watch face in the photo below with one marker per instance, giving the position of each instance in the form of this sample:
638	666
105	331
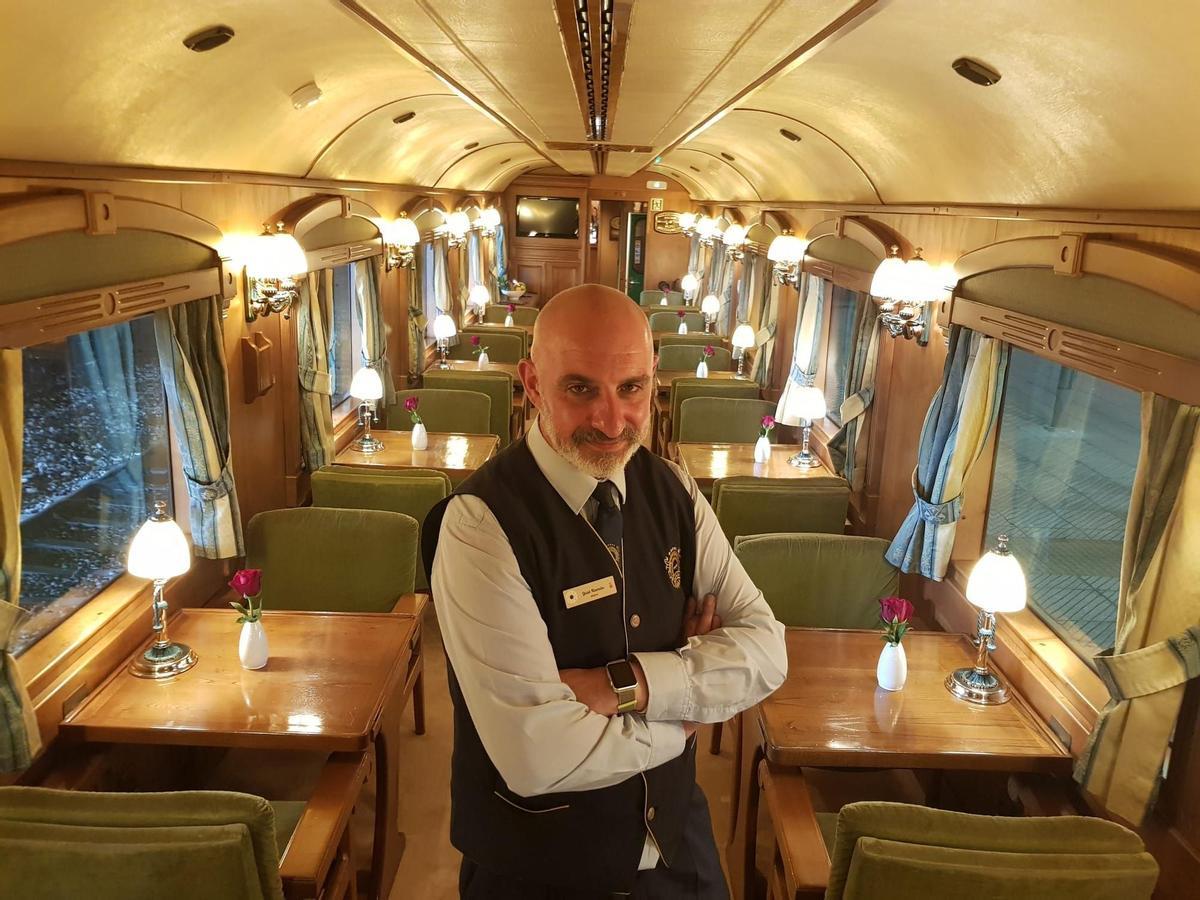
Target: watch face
620	673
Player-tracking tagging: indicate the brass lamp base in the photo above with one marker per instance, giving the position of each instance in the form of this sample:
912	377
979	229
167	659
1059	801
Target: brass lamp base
163	661
974	686
368	444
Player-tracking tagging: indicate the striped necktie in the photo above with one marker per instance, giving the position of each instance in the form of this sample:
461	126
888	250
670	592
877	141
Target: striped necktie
608	518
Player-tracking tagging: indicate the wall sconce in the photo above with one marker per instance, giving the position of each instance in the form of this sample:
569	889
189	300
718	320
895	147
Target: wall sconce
997	584
687	223
743	339
276	261
457	226
733	239
787	253
400	238
160	551
479	298
367	386
804	405
710	306
709	230
443	330
690	284
904	290
489	221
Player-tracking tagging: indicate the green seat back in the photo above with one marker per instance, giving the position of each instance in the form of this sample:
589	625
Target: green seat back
691	338
185	845
686	388
648	311
820	580
443	411
651	298
685	357
716	420
502	346
669	321
335	560
906	852
396	490
748	505
674	298
522	315
497	385
487	332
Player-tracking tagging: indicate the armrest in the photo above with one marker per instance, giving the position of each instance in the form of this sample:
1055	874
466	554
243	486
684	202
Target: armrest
805	857
314	844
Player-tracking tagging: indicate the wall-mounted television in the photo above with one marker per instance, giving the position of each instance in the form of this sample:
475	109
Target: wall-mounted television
548	217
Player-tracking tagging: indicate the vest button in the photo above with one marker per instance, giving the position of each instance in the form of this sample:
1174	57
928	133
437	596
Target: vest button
650	814
635	620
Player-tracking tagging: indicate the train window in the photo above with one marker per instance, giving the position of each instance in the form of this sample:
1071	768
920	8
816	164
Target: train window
1065	459
839	349
345	339
95	457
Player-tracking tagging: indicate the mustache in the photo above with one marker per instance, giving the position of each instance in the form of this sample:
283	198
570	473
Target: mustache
585	435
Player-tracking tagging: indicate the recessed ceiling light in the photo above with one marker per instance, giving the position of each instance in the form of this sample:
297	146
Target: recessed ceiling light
404	117
471	146
727	156
975	71
503	161
790	135
306	95
209	38
693	168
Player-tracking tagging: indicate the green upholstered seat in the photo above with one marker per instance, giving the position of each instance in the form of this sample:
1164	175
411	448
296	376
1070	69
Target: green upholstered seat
339	560
522	315
651	298
691	338
443	411
685	357
497	385
397	490
748	505
669	321
502	347
674	298
905	852
685	388
714	420
184	845
490	331
820	580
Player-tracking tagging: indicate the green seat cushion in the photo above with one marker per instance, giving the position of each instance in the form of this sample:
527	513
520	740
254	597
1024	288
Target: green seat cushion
503	347
489	331
669	321
521	315
496	385
650	298
692	337
749	505
444	411
686	388
685	358
718	420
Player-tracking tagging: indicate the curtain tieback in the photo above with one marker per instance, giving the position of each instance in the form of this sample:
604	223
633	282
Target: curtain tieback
798	376
936	513
856	404
764	334
211	491
316	381
1158	667
417	317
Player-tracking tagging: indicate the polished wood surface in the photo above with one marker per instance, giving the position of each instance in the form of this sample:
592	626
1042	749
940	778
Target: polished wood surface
324	688
830	712
708	462
454	454
470	365
667	378
528	329
715	339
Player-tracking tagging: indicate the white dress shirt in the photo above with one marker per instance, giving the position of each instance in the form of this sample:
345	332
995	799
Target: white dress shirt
539	737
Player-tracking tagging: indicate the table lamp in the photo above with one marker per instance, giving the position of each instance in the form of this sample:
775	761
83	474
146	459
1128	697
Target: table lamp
742	340
804	404
710	306
479	297
160	551
689	284
443	330
997	584
367	386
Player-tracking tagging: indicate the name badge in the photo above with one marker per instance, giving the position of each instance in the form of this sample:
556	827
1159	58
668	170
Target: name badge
593	590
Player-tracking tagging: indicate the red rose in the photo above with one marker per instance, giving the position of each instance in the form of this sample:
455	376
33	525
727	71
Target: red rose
681	313
411	403
247	582
895	609
512	308
474	340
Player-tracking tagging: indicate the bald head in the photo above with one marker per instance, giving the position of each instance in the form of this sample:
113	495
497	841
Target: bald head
583	318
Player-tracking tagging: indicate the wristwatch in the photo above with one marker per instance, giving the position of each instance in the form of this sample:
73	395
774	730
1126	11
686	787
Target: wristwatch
624	684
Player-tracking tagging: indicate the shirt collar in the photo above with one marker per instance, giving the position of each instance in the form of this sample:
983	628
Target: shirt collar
572	484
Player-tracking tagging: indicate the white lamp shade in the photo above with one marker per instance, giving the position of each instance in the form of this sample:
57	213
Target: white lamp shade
687	221
710	305
366	385
919	284
158	550
803	403
402	232
690	283
997	583
490	217
458	223
787	248
479	296
276	255
708	228
443	327
889	281
743	336
734	236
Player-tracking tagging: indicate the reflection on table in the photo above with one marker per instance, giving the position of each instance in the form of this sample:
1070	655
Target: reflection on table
457	455
667	378
708	462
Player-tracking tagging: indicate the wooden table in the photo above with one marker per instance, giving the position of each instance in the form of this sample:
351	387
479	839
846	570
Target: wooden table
332	682
528	329
715	339
458	455
831	712
667	378
470	365
708	462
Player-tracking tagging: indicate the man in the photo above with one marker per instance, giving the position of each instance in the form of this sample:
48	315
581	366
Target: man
561	573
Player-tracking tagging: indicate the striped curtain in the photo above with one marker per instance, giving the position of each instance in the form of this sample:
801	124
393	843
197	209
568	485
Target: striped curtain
499	259
767	324
716	272
725	291
192	359
313	311
848	448
374	329
20	739
808	338
1158	633
695	264
417	320
961	415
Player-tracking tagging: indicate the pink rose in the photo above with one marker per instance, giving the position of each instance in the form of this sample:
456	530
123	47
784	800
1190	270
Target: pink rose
768	422
709	351
411	403
895	609
474	340
247	582
681	314
511	308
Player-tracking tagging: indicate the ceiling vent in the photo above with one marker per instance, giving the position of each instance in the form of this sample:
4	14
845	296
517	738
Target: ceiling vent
404	117
727	156
471	146
975	71
209	38
790	135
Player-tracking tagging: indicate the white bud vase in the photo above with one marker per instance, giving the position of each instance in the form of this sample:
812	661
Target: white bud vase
683	327
508	322
892	670
663	302
702	370
483	360
420	438
762	449
252	645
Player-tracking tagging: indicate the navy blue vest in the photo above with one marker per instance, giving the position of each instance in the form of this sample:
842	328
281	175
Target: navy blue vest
582	839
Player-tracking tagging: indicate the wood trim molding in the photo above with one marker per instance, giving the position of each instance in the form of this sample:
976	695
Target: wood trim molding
340	254
842	276
875	236
303	217
96	212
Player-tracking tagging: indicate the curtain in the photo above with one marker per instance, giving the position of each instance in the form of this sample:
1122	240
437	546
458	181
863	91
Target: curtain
374	329
191	356
20	740
439	283
695	265
848	447
490	269
961	415
312	345
418	322
716	272
1158	616
499	261
809	319
768	323
725	292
